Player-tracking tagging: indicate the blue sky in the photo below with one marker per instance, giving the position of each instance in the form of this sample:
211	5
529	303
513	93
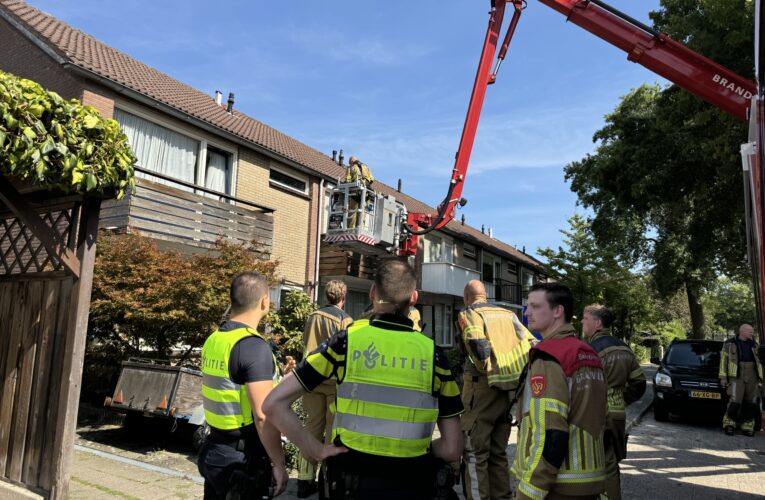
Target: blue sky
390	82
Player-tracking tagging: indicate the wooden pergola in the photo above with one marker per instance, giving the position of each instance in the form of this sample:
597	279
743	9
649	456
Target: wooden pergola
47	253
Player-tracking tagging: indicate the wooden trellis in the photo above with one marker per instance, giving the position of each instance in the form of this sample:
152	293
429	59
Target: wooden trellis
47	253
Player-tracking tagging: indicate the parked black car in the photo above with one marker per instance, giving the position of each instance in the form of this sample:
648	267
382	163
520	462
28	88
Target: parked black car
687	380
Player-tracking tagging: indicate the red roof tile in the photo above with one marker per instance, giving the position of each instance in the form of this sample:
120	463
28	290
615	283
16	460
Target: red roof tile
81	49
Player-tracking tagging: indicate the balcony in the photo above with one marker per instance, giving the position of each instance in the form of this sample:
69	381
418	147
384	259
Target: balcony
504	291
164	212
444	278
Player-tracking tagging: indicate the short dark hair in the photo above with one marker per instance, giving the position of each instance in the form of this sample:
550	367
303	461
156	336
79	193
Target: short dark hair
601	312
557	294
395	281
247	290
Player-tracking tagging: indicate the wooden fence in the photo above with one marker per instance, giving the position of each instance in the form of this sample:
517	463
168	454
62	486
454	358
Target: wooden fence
47	253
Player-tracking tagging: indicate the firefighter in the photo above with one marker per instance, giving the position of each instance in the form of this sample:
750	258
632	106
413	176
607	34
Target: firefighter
562	408
497	346
357	172
741	373
243	452
626	384
393	387
319	404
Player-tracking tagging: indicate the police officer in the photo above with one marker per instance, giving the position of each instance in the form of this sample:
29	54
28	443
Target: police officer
243	454
393	387
319	404
741	373
497	345
626	384
562	409
413	314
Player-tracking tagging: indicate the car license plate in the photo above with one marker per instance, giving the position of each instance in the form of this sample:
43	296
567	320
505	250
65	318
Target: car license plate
705	395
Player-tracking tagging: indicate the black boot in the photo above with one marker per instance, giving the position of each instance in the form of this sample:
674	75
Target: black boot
729	430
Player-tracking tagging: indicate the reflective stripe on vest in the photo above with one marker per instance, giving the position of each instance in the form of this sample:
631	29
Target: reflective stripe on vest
385	404
226	404
585	462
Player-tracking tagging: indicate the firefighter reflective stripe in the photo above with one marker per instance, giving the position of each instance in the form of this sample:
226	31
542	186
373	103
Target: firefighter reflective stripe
385	404
584	463
532	491
387	395
728	363
616	400
219	383
510	365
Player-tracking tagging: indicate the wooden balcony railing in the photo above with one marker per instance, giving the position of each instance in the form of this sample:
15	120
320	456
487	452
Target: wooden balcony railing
167	213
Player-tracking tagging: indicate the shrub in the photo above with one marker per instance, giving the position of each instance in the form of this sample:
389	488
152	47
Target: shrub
59	144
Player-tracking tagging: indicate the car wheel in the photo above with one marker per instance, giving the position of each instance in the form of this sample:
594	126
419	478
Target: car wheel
660	412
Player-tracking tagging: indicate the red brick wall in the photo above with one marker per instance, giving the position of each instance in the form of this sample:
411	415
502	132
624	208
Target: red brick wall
21	57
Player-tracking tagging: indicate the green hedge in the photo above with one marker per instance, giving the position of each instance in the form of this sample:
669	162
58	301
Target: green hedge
58	144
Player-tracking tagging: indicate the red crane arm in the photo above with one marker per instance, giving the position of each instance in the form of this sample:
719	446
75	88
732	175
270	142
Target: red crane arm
421	223
657	52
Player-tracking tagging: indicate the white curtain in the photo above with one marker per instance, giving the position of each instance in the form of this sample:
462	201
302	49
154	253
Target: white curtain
216	175
160	149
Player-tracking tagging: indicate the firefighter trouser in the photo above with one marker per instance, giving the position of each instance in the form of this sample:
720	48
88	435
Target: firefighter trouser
487	432
613	481
742	392
319	414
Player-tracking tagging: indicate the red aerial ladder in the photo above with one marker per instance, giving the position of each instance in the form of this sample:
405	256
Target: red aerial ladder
656	51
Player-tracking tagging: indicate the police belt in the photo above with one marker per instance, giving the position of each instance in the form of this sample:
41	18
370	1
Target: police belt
244	439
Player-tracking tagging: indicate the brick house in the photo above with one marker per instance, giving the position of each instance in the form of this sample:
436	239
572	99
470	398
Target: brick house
208	170
205	170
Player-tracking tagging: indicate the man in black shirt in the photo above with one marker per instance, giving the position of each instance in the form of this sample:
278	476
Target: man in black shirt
243	455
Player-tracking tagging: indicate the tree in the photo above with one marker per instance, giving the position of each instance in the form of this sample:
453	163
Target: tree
665	178
147	302
286	326
595	275
728	304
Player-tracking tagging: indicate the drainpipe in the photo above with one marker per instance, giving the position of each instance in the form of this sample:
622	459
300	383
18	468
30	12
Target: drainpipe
318	242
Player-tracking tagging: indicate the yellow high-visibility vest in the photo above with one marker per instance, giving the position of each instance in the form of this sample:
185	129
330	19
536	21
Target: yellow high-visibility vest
226	404
385	404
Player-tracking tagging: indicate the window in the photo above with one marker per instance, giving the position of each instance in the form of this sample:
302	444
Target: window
488	271
160	149
289	181
218	171
512	268
468	250
439	249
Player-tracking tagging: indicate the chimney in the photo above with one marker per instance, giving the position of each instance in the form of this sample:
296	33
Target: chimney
483	229
399	186
218	97
491	233
341	158
524	249
230	107
463	219
334	155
